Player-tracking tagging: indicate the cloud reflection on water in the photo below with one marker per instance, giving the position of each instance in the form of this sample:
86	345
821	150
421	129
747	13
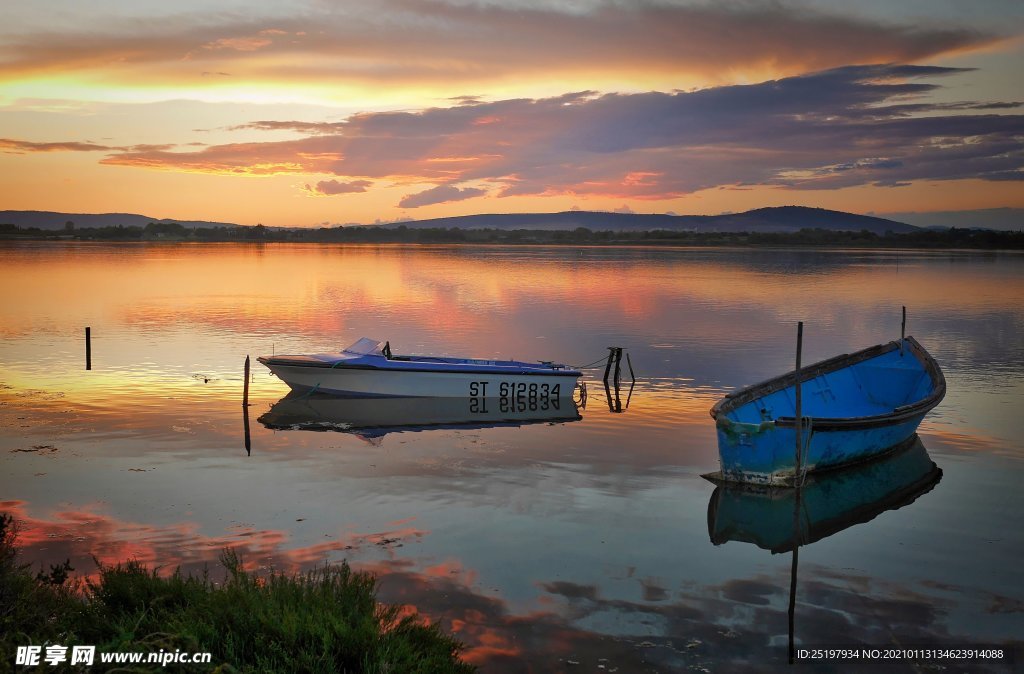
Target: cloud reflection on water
580	540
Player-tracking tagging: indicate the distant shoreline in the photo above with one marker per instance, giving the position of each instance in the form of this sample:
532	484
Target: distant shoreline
812	238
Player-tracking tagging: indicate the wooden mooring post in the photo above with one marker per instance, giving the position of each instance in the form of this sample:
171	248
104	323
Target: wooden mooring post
245	409
615	358
88	348
608	365
613	379
245	389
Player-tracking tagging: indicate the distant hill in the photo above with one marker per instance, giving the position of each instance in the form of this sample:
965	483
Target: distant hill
51	220
778	219
1011	219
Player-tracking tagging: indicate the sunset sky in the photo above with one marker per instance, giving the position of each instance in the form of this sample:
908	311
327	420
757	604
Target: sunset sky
329	111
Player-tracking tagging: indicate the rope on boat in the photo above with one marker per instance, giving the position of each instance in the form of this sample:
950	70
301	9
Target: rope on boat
309	392
809	421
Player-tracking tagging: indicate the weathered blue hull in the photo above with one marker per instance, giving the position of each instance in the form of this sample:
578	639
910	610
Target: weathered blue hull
855	407
829	503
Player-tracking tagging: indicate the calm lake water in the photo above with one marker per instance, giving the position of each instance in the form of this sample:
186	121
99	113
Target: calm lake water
572	539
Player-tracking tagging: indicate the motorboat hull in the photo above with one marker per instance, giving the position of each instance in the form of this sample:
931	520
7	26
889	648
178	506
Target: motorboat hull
364	370
392	383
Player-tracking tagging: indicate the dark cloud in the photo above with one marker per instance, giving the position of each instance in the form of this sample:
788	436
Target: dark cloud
301	127
439	195
856	125
332	187
24	146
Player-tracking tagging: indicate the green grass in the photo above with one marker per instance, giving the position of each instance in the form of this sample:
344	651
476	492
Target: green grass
327	620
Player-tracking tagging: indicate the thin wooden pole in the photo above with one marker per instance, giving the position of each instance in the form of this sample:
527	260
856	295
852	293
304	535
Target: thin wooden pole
630	364
797	537
608	365
248	437
88	348
618	365
799	402
903	330
245	390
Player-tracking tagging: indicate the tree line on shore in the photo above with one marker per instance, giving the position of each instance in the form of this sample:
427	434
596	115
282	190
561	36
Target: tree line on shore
164	231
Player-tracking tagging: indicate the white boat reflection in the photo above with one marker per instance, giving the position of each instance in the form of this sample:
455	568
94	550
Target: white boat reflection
376	417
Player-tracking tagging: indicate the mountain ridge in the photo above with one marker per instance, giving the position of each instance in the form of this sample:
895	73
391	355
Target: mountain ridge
53	220
768	219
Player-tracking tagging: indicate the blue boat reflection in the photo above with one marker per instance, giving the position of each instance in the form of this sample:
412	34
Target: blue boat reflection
829	503
376	417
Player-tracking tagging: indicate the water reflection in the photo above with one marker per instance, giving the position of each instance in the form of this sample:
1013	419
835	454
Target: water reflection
828	503
537	540
614	394
373	418
781	520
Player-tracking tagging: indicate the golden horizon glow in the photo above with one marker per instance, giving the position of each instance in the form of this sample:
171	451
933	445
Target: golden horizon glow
153	117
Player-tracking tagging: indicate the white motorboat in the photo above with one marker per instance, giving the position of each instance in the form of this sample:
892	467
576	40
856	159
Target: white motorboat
369	369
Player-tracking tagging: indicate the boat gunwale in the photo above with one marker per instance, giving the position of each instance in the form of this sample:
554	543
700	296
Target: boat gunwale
748	394
527	369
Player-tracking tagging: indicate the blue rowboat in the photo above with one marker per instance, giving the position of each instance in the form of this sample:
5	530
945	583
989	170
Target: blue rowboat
829	502
855	407
369	369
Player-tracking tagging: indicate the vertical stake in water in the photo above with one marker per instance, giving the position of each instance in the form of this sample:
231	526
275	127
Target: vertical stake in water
799	405
618	365
797	540
903	331
88	348
245	424
245	390
797	483
608	365
245	409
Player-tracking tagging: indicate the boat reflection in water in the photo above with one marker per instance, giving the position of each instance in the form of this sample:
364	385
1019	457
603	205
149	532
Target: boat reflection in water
829	503
783	519
372	418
